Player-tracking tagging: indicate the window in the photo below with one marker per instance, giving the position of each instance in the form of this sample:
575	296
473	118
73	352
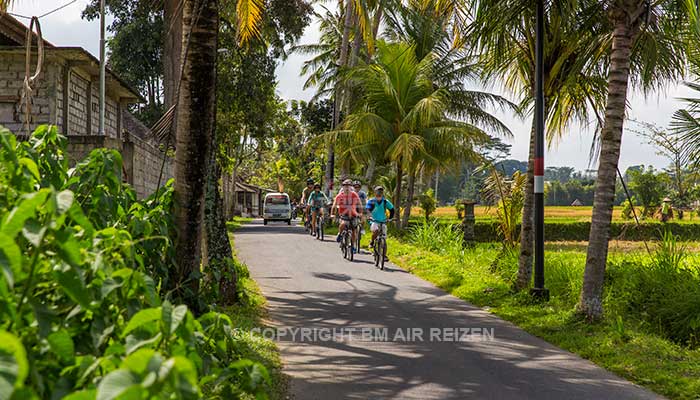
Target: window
277	200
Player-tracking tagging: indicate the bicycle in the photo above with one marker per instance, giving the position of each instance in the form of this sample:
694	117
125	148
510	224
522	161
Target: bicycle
307	222
358	235
379	249
320	219
346	241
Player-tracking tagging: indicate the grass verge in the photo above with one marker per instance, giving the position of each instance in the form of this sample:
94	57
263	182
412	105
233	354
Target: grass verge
250	314
629	346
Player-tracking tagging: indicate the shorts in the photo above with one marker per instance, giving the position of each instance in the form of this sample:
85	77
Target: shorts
374	226
353	220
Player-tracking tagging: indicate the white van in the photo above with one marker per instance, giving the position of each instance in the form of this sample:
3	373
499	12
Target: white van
277	207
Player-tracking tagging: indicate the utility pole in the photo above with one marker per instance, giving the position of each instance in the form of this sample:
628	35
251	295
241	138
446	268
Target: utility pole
101	131
539	290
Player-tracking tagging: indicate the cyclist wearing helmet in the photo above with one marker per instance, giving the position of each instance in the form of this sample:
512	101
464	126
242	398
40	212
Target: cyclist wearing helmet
317	202
357	185
378	206
347	202
305	196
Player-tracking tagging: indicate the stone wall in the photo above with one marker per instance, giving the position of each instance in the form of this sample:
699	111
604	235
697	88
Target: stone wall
44	108
47	99
147	165
142	159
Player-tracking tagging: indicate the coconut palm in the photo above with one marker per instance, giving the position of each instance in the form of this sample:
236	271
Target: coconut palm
404	116
322	68
645	50
503	32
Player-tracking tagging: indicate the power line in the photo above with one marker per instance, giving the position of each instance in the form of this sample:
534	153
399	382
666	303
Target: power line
45	14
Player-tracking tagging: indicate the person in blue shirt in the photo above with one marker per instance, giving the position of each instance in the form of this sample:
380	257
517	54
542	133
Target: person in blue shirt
378	207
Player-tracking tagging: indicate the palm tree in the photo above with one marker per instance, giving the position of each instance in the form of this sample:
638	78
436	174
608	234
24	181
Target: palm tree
322	68
403	118
645	49
503	31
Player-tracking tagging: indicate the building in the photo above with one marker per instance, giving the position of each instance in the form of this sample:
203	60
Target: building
67	95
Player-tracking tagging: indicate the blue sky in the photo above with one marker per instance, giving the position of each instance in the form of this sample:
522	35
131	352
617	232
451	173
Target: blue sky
66	28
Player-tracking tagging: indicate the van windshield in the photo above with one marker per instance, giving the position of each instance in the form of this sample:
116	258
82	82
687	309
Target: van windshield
277	200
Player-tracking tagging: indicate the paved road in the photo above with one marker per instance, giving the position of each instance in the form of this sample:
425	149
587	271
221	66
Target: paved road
309	285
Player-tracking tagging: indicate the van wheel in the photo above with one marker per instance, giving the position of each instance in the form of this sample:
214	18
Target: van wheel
264	222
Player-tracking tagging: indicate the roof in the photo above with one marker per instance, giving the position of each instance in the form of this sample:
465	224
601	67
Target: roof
12	41
247	187
13	32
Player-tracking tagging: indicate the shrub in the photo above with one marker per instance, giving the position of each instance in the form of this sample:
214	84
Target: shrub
428	203
85	309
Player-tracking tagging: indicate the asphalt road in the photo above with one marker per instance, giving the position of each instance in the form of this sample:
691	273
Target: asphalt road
350	331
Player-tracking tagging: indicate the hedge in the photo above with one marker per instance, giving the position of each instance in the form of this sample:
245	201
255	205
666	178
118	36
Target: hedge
487	231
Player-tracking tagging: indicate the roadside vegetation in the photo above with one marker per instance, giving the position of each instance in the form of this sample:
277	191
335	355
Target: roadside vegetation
650	333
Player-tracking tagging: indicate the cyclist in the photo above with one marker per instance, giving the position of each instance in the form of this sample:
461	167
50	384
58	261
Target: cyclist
305	196
347	202
357	185
378	206
317	202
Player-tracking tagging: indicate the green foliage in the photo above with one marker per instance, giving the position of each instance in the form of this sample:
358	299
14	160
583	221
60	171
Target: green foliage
631	341
649	188
509	196
627	210
85	310
428	203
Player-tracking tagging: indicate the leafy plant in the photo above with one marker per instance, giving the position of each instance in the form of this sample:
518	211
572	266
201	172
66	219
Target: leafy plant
428	203
87	307
509	196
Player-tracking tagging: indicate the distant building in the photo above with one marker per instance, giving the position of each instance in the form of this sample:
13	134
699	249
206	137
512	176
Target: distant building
67	96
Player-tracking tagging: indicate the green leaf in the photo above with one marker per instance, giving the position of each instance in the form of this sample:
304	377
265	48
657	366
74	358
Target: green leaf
62	345
116	383
141	318
138	361
10	258
178	315
82	395
34	232
30	165
13	364
64	200
14	221
71	283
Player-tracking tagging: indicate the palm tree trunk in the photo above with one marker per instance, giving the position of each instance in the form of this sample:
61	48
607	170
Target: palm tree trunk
196	114
397	193
591	300
409	197
528	222
369	173
342	62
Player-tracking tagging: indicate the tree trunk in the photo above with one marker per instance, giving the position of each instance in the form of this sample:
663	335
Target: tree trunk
216	248
342	62
397	194
527	236
409	197
591	300
196	115
172	49
369	173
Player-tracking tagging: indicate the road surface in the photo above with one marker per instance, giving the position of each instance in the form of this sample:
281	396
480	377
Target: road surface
350	331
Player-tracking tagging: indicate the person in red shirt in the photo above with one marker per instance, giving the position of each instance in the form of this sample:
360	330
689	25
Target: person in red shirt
348	204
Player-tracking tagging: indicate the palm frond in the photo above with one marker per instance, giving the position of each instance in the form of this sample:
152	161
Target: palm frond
250	15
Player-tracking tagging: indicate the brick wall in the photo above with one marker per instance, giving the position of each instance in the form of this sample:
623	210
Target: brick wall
44	107
148	161
47	99
142	159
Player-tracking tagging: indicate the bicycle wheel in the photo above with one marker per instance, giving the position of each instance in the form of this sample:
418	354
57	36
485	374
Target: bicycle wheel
375	252
359	238
382	253
344	245
351	254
